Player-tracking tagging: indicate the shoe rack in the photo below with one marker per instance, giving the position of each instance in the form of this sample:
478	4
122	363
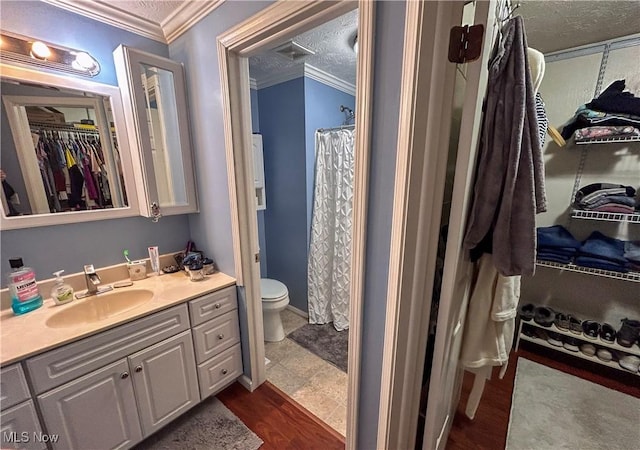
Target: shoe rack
615	347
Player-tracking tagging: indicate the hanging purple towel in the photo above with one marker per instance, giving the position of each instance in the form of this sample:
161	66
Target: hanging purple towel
509	187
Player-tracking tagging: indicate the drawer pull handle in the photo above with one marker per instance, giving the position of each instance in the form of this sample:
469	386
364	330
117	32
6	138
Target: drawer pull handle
217	305
221	336
138	369
124	375
225	371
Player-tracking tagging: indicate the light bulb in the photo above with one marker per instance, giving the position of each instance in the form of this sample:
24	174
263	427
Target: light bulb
85	62
40	50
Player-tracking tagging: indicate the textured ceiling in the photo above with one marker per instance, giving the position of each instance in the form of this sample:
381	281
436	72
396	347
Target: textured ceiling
332	44
558	25
152	10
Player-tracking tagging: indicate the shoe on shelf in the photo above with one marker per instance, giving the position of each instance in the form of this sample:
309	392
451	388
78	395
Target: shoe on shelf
588	349
541	334
604	355
575	325
544	316
571	344
562	321
629	332
526	312
554	338
607	333
630	362
528	331
591	329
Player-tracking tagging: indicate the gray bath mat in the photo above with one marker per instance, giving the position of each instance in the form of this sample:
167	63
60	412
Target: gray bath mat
325	342
554	410
208	426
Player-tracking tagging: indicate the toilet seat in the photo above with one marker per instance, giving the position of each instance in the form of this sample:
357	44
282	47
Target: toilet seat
272	290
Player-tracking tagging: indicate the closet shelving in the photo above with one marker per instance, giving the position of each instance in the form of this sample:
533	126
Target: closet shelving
609	140
605	216
628	276
618	349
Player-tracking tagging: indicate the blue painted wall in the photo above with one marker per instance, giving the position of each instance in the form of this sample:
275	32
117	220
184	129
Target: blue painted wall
69	247
282	126
321	110
212	227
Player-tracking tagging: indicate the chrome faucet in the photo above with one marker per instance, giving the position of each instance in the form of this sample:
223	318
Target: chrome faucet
93	282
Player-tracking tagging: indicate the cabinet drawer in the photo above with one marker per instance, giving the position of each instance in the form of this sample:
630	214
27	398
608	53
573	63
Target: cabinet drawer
21	428
59	366
13	386
216	335
212	305
215	374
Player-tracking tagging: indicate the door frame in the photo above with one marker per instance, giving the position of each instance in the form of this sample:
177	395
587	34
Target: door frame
424	130
268	28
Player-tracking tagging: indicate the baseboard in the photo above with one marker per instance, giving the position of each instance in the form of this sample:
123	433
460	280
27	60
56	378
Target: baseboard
246	383
297	311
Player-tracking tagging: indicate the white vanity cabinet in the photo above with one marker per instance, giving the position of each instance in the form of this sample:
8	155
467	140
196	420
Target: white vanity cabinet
20	425
113	389
217	340
96	411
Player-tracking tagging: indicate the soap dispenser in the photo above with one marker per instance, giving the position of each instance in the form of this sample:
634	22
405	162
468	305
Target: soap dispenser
61	293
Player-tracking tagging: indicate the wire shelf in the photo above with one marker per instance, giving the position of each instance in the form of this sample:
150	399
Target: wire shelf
609	140
605	216
629	276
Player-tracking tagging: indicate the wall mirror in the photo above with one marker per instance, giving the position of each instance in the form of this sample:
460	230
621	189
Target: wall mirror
155	101
65	155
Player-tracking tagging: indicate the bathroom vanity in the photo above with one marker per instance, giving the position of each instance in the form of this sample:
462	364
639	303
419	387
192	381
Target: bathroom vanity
109	380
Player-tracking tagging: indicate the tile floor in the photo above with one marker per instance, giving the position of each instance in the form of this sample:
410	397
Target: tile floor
316	384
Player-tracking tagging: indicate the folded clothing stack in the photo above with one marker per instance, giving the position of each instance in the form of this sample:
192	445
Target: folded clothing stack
556	244
632	254
602	252
613	108
607	197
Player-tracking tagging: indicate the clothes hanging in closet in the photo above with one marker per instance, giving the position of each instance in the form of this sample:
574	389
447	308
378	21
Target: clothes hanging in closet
509	188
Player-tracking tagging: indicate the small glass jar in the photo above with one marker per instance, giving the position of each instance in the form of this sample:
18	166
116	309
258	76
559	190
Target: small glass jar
195	272
208	266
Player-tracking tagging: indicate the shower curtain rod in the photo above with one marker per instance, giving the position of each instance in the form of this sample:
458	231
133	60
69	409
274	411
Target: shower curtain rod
341	127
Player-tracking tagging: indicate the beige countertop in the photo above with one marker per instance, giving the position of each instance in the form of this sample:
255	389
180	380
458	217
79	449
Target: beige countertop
28	334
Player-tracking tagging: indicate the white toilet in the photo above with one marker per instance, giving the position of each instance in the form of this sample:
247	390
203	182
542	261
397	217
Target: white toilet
275	298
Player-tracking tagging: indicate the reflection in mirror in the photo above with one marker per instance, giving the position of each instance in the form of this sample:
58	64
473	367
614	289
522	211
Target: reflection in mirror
59	151
164	131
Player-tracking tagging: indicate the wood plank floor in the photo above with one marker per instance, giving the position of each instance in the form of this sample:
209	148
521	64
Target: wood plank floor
488	431
278	420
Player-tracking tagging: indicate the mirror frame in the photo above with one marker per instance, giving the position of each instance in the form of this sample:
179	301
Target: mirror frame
113	94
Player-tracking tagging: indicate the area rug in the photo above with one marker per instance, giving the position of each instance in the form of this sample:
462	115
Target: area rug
325	342
208	426
553	410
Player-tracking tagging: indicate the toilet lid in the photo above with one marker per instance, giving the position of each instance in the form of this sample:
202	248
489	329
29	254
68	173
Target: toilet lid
272	289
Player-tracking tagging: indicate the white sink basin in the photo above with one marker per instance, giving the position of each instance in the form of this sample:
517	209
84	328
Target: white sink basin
99	307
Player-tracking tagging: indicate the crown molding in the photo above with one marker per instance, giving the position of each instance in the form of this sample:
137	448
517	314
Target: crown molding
111	15
330	80
305	70
186	16
284	75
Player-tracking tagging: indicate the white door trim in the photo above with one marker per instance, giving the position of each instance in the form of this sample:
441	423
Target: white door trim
423	142
275	24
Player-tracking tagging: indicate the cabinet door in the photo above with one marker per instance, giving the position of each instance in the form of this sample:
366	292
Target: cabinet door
97	411
154	95
165	381
21	428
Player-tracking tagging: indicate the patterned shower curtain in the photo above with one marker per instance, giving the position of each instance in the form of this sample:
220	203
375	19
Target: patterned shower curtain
331	229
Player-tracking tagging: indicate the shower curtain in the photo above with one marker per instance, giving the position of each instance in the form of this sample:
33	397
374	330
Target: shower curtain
331	229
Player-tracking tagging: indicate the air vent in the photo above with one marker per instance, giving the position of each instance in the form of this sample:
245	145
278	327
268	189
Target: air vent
293	51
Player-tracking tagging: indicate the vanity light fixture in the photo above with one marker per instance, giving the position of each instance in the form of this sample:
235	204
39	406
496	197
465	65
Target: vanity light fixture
35	53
